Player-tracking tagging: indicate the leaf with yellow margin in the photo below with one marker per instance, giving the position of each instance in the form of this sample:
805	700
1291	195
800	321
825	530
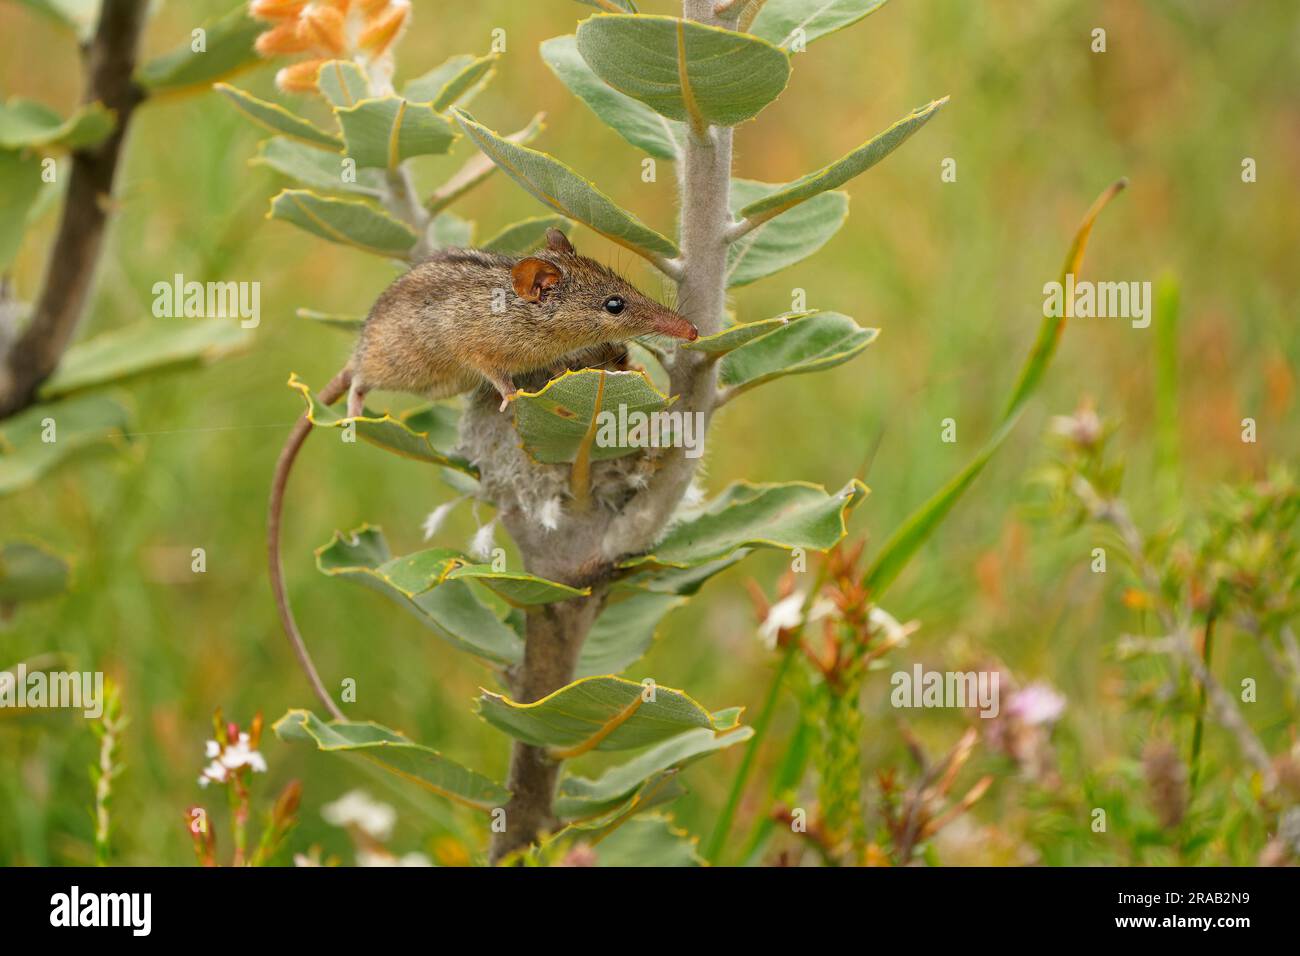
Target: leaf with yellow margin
394	752
602	713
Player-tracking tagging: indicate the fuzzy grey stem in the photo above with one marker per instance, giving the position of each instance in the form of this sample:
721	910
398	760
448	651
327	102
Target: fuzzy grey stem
701	295
110	64
584	555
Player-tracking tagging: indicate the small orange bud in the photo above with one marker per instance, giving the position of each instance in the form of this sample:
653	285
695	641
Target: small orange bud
299	78
283	38
323	26
385	28
1136	600
276	9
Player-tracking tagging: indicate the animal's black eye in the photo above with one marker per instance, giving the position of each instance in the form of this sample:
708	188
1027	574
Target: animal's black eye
615	305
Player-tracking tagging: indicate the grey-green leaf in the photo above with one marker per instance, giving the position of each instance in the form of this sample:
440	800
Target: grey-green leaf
785	240
523	237
27	123
317	168
227	48
42	437
633	120
696	74
386	131
391	750
343	82
344	221
419	583
624	631
150	346
842	170
602	713
792	515
819	341
580	797
563	190
277	119
783	21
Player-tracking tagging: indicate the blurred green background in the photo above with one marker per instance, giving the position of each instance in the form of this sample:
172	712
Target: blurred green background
952	274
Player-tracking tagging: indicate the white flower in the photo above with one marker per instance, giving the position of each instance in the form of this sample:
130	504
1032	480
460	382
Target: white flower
783	615
384	858
229	759
240	754
895	634
357	808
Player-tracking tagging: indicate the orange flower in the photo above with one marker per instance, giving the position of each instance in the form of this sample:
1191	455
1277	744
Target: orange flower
283	38
385	27
361	30
299	78
324	28
276	9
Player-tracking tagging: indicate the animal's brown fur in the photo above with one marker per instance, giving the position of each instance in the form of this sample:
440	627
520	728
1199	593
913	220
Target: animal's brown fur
458	319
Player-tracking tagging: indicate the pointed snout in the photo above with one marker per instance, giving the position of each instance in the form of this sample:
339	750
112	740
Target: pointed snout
670	323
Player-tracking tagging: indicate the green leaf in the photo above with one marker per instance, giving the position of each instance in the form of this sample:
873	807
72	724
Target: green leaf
81	425
612	6
783	241
150	346
684	581
391	750
579	797
29	124
80	16
916	530
478	168
792	515
20	186
447	230
841	171
624	631
521	238
228	48
277	119
385	131
648	841
602	713
30	571
819	341
573	412
779	19
343	82
316	167
473	75
563	190
517	588
737	335
392	434
419	583
338	320
697	74
631	119
460	78
345	221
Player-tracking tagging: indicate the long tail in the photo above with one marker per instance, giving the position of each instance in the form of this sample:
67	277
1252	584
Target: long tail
331	394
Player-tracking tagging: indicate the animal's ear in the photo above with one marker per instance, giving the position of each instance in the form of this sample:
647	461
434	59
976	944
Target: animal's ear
532	276
557	241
